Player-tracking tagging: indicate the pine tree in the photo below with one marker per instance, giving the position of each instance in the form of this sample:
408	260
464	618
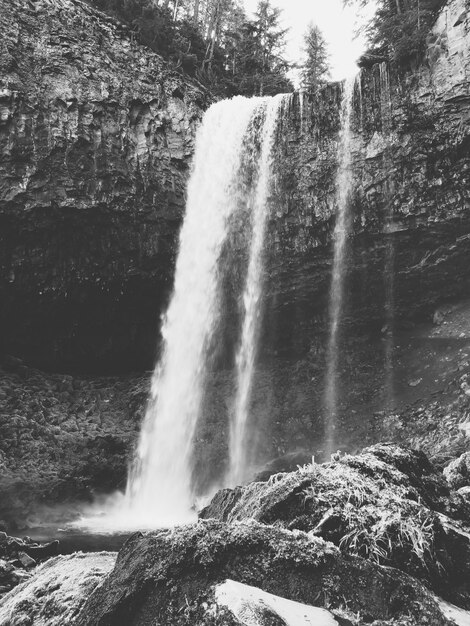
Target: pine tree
315	68
399	27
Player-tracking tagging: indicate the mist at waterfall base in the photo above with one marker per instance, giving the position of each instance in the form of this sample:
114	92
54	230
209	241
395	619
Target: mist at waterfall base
231	171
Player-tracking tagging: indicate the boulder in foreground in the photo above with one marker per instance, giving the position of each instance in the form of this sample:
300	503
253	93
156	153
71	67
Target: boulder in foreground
170	578
54	594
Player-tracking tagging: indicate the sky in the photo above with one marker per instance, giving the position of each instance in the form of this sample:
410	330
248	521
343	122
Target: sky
337	23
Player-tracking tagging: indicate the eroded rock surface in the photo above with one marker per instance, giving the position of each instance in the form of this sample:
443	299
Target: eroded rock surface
388	504
97	136
57	591
167	577
63	439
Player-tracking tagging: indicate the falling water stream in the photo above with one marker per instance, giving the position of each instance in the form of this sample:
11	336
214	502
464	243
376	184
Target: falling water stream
160	489
246	355
389	266
342	225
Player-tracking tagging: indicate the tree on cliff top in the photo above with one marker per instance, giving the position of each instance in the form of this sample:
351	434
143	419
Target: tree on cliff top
399	27
212	40
260	65
315	68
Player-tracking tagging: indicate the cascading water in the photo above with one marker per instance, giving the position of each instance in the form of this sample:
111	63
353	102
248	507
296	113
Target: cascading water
342	225
389	269
245	359
160	484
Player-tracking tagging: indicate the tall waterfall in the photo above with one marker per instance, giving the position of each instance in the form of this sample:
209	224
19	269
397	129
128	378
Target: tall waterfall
389	265
246	355
342	225
231	172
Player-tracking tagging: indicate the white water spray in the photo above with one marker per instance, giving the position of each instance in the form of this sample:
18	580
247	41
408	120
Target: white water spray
389	269
342	225
160	485
245	360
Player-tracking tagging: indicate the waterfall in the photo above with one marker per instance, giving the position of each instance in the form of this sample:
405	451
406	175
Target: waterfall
231	172
342	226
301	107
245	359
389	265
160	483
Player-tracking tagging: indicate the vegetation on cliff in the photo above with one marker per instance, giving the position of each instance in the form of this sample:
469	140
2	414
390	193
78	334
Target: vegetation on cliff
399	28
212	40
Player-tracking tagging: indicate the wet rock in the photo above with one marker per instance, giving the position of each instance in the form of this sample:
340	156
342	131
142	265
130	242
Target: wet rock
44	551
26	561
458	471
388	504
168	576
56	591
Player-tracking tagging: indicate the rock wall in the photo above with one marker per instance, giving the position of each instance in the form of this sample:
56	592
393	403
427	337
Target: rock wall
96	136
409	246
403	332
411	140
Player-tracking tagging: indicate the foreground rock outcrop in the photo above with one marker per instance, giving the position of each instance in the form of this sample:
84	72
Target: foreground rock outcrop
379	538
57	591
168	577
388	504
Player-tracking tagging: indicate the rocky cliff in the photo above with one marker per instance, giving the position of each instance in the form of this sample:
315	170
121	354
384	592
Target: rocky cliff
403	332
96	136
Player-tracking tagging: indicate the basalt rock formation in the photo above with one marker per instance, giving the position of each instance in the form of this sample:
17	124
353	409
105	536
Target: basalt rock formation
96	136
403	331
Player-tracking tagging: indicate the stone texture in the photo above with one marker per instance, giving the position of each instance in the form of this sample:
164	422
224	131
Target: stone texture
56	592
458	471
96	136
388	504
62	439
168	577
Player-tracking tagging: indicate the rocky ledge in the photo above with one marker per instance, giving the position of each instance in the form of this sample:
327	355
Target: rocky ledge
380	538
19	557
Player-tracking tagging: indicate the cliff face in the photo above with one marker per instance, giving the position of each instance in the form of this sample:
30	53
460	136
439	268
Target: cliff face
411	167
96	136
404	334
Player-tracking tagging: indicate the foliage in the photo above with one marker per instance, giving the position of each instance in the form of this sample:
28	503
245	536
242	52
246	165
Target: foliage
212	40
377	520
399	27
315	68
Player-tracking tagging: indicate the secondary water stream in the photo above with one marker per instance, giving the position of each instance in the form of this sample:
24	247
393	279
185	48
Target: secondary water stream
340	236
235	137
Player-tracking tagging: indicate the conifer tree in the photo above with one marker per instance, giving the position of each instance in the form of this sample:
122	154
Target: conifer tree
315	68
